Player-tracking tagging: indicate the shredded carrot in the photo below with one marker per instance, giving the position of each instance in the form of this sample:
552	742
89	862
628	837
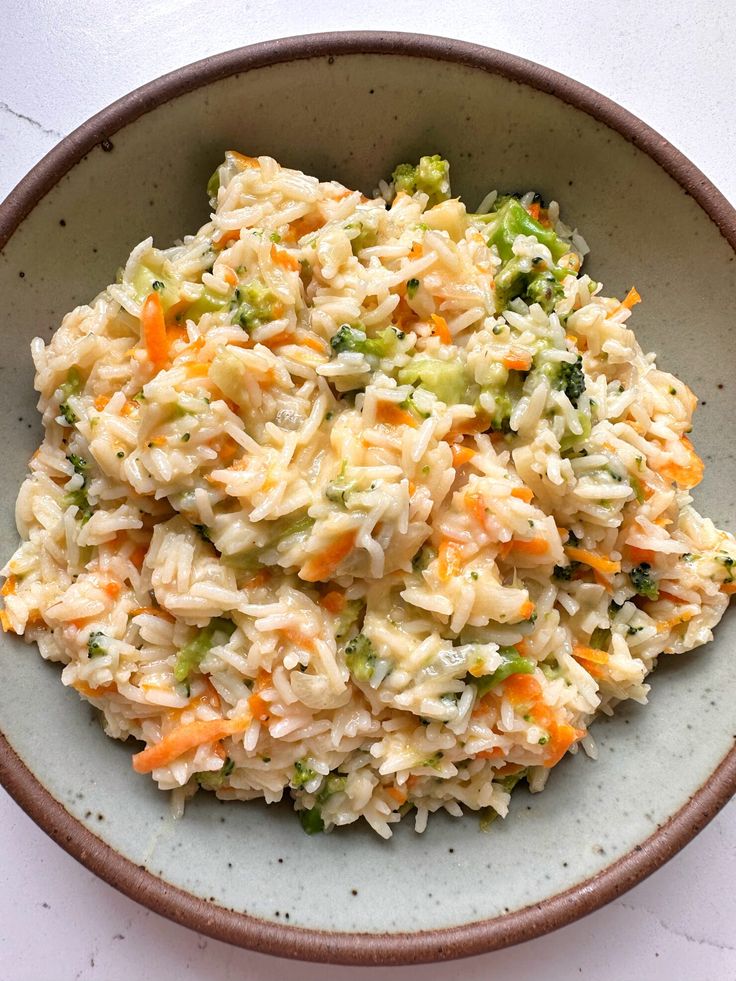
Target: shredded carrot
392	415
176	332
129	408
688	476
532	546
84	689
441	329
276	340
449	560
398	794
187	737
523	689
230	276
526	610
320	567
314	343
671	597
229	236
631	298
490	754
9	586
561	738
5	621
476	506
600	562
154	611
509	769
101	401
461	455
639	555
333	601
517	360
138	555
284	259
562	532
592	654
303	226
243	161
197	370
157	441
258	707
417	250
259	579
523	494
412	488
153	328
729	588
112	589
297	638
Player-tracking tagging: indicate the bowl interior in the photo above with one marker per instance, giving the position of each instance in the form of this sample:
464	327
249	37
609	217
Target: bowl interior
353	117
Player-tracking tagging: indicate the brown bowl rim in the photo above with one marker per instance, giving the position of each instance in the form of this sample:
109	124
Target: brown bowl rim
240	928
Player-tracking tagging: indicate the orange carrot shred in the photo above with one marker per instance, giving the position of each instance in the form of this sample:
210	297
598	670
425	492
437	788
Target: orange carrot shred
461	455
184	738
631	298
154	331
333	601
449	560
392	415
284	259
321	566
441	329
523	494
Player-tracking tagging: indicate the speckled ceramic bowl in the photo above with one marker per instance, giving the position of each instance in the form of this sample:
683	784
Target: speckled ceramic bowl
350	106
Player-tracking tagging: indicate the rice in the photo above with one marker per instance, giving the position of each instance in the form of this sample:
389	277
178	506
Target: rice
371	507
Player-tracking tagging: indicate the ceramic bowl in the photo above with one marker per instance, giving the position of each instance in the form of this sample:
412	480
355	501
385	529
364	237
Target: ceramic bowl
351	106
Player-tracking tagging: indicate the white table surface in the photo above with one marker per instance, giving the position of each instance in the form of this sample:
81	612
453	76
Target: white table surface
672	63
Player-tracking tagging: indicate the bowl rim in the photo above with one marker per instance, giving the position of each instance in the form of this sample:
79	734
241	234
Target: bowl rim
240	928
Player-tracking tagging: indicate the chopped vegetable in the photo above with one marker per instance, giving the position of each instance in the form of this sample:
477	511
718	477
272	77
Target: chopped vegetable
303	773
431	176
186	737
253	306
510	219
349	616
445	379
153	328
593	559
354	338
312	820
217	631
281	529
96	644
513	663
212	779
360	657
319	567
643	581
412	286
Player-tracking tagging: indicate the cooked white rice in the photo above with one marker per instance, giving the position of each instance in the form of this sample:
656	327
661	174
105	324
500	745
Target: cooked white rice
382	517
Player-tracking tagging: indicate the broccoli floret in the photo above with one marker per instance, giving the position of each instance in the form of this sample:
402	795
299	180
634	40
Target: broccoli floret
354	338
366	237
360	657
79	499
96	645
311	821
513	663
511	219
81	466
212	779
571	379
643	581
412	286
545	290
565	572
189	657
303	773
446	379
349	616
431	176
335	783
600	639
253	305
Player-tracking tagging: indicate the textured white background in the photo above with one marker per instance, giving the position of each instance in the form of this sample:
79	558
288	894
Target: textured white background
671	63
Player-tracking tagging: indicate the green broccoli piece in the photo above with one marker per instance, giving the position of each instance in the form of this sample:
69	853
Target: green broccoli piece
335	783
565	572
96	645
513	663
72	386
511	219
360	657
354	338
431	176
600	639
643	581
545	290
249	561
349	616
365	238
212	779
81	466
79	499
253	305
208	302
311	820
189	657
412	286
571	379
445	379
303	773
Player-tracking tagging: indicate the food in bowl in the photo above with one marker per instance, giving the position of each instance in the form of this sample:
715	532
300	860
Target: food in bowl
373	503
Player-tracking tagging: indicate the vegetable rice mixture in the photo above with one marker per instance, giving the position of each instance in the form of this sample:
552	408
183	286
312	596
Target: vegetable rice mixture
370	504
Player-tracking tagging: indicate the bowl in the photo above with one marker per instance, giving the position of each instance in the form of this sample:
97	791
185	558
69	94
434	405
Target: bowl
351	106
